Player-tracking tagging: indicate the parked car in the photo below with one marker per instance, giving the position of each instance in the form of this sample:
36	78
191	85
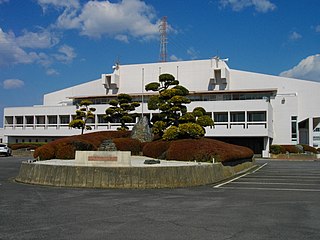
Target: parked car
5	150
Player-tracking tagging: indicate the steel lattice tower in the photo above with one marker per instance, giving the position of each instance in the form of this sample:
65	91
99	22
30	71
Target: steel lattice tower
163	39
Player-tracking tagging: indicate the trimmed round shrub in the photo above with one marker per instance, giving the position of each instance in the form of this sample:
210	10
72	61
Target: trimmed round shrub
128	144
203	150
45	152
190	130
156	149
86	142
66	152
171	133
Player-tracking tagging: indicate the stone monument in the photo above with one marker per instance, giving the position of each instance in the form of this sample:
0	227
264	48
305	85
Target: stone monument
142	130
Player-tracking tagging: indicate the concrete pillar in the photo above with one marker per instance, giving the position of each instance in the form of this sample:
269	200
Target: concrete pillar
310	131
266	143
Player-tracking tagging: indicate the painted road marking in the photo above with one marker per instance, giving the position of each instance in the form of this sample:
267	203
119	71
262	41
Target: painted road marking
294	184
230	181
274	189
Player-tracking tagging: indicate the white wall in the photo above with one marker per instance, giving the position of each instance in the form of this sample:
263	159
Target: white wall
86	89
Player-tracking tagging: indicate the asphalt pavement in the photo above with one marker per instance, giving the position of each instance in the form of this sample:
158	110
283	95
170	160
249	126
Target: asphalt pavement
281	200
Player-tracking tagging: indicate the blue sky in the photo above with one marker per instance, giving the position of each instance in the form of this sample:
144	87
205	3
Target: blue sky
47	45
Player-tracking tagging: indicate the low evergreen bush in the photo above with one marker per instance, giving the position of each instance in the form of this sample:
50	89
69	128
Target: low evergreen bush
128	144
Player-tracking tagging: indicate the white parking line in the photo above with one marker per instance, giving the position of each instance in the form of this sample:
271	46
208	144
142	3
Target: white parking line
293	184
275	189
283	177
224	183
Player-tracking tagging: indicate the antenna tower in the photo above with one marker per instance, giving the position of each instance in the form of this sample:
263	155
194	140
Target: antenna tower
163	39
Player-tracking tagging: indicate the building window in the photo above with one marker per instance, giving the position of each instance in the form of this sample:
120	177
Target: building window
257	116
316	129
29	119
237	117
19	120
294	129
220	117
64	119
9	120
52	119
40	120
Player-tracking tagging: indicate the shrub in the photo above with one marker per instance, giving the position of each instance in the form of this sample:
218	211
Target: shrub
89	141
190	130
291	149
82	146
34	145
276	149
66	152
156	149
128	144
204	150
307	148
171	133
45	152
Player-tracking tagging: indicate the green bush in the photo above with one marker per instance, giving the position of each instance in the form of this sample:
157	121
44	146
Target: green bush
276	149
32	145
171	133
190	130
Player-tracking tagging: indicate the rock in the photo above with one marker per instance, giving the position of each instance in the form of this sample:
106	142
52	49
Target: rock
107	145
142	131
151	161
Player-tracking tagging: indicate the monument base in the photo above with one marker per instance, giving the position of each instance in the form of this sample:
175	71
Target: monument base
103	158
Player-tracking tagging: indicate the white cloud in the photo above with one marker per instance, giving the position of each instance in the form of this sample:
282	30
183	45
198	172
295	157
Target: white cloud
41	39
122	38
175	58
295	36
66	54
51	72
12	83
317	28
259	5
11	52
193	53
118	20
3	1
308	68
58	4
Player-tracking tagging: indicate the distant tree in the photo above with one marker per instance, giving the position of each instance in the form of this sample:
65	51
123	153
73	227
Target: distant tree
120	110
173	117
82	116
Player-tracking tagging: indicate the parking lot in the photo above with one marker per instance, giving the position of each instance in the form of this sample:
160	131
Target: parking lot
297	176
281	200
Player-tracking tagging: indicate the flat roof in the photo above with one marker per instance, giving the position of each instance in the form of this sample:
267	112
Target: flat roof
270	90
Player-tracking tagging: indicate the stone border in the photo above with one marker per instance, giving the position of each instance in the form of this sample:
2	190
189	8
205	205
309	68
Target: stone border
127	177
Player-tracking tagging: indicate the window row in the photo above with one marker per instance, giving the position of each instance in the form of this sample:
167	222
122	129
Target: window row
219	117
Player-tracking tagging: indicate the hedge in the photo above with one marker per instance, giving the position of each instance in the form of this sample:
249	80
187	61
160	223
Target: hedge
64	148
202	150
300	148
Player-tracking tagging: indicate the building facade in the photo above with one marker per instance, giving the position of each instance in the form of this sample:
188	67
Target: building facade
248	109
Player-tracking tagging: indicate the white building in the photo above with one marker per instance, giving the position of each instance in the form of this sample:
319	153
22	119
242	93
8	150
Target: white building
248	108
